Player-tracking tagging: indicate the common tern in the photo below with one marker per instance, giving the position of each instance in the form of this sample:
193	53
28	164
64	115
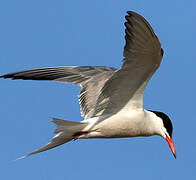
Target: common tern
111	99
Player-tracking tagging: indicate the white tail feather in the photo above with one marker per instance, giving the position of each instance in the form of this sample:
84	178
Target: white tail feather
65	131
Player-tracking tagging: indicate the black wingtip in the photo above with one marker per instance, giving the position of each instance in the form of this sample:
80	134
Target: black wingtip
6	76
130	12
3	76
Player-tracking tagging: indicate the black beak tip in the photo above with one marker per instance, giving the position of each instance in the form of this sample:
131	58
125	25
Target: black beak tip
175	155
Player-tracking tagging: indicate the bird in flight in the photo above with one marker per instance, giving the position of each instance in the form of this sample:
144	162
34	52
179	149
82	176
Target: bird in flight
111	99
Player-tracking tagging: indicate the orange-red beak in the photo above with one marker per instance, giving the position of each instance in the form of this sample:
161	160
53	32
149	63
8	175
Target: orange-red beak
171	145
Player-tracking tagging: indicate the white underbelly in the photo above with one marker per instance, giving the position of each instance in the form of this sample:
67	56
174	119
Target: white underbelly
116	126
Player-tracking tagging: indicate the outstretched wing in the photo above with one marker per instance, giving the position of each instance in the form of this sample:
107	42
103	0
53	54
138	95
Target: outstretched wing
91	79
143	54
105	89
69	74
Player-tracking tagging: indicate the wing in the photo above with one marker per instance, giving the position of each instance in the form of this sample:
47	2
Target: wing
72	74
91	79
142	56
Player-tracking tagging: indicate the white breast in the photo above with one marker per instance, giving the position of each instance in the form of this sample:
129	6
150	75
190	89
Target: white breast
123	124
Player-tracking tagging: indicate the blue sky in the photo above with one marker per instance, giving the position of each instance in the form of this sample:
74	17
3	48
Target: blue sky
43	33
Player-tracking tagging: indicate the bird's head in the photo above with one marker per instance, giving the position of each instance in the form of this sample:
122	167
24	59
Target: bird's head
166	129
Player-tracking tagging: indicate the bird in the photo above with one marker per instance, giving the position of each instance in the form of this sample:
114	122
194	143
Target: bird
111	99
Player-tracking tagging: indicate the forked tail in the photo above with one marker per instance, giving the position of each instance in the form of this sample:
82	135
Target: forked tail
65	132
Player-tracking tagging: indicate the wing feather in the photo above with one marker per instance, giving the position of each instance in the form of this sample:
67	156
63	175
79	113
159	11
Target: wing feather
90	78
106	89
143	55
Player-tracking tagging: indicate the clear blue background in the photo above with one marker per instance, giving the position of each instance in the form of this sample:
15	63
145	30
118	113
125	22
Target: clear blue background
43	33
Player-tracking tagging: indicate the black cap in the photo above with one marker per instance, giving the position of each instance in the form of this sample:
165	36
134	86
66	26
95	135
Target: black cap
166	121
